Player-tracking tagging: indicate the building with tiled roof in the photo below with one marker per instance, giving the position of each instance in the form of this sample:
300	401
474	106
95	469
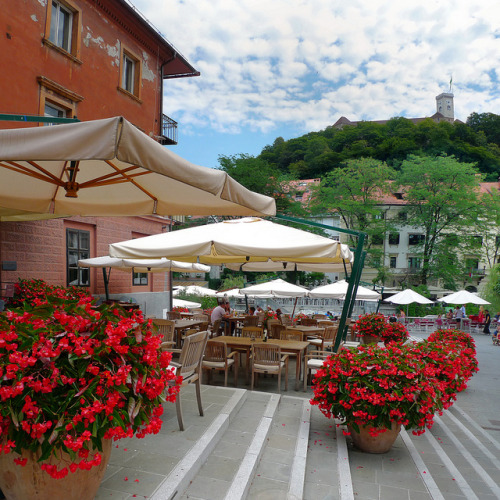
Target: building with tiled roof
445	111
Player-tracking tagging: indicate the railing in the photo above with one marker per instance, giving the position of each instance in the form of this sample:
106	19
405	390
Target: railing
168	131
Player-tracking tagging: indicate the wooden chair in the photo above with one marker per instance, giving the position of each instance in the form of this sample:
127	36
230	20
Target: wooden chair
217	358
320	316
189	368
309	322
286	320
215	328
188	332
251	321
252	331
261	317
270	323
326	340
276	328
312	362
202	317
325	323
173	315
166	328
267	358
291	335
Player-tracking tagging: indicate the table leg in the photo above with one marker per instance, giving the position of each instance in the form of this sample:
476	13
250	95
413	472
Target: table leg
298	369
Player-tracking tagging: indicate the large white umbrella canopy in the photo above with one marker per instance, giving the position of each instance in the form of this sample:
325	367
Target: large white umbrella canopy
275	288
271	266
185	303
195	290
143	265
408	296
249	239
233	293
338	290
463	297
109	167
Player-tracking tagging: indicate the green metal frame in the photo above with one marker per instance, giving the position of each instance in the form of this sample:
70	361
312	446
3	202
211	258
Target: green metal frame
35	118
352	288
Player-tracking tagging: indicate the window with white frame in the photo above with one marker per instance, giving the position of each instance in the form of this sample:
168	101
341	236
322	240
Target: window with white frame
61	26
128	79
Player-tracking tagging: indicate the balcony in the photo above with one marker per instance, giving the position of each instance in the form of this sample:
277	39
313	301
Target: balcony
168	131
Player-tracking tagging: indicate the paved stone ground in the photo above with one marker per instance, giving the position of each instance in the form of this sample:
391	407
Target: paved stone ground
458	459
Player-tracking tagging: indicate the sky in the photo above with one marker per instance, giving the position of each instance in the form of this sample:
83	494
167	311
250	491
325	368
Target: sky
283	68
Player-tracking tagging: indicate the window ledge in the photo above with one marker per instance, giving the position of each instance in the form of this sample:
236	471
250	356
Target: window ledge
52	45
129	94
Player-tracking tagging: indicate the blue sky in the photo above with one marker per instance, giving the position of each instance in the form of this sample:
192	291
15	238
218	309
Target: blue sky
274	68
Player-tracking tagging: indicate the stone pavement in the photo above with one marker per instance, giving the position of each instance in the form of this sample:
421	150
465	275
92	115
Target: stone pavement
263	445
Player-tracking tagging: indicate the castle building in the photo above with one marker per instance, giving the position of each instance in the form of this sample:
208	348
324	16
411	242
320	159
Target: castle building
444	112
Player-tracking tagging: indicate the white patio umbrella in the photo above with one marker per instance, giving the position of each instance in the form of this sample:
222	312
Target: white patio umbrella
196	290
338	290
143	265
275	288
185	303
281	266
408	296
463	297
139	266
249	239
234	292
109	167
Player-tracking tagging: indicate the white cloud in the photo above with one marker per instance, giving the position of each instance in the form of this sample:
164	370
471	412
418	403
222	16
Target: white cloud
266	64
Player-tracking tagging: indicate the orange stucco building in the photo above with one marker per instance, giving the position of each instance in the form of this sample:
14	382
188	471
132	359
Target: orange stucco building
88	59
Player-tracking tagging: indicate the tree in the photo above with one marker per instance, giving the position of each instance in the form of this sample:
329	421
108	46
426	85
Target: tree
259	176
442	198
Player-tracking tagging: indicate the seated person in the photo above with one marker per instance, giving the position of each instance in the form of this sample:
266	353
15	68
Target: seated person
496	335
251	311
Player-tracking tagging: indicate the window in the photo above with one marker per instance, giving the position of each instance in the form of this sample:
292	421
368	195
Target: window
379	216
130	78
393	238
298	196
62	28
402	216
392	262
77	247
415	239
140	279
414	262
472	265
377	239
61	25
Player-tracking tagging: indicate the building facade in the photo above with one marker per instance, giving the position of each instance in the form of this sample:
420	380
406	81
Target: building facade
88	59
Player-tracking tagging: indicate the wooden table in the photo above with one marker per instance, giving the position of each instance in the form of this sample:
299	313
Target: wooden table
228	329
306	330
184	324
287	346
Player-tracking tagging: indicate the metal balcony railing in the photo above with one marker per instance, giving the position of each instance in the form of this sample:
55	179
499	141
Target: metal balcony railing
168	131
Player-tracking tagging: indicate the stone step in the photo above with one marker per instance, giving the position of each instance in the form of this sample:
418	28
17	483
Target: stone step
256	445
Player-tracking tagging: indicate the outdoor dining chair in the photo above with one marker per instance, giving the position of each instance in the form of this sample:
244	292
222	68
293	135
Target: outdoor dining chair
188	366
312	362
291	335
274	332
326	339
286	320
309	322
216	358
252	331
267	359
214	329
166	328
173	315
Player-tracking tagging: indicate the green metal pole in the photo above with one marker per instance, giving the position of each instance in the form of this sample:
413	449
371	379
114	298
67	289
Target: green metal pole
36	119
355	273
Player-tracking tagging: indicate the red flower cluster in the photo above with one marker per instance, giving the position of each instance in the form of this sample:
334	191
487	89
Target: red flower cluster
394	332
406	384
72	375
180	309
370	324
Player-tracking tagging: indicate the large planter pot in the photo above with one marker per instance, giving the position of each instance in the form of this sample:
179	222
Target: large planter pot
370	339
31	482
381	443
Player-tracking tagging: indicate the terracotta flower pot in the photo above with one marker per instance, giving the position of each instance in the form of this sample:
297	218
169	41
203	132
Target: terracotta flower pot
31	482
381	443
370	339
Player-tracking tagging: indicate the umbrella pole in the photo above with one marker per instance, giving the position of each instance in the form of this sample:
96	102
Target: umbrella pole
246	304
294	305
106	282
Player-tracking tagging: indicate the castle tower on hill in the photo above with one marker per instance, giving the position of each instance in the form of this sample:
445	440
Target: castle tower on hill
444	105
445	112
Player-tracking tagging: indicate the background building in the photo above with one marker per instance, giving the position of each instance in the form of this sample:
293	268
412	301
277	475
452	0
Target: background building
88	59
